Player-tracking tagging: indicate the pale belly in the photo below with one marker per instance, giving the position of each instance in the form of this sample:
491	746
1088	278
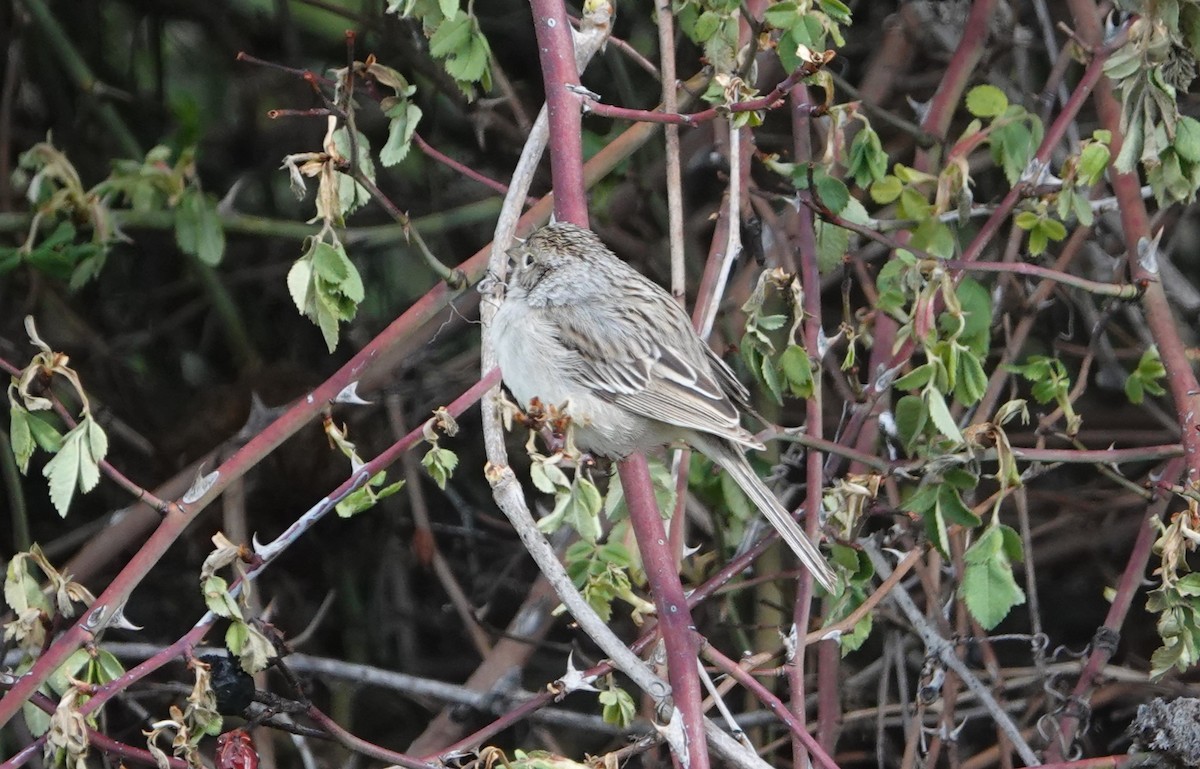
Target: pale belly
534	365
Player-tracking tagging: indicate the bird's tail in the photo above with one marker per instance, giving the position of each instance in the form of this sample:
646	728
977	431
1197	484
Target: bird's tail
731	460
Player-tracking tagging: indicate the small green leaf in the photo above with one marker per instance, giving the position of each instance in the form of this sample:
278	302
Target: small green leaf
20	437
1189	584
198	228
1093	161
986	101
923	500
939	414
953	509
911	417
618	707
440	464
452	35
935	528
706	26
771	379
971	382
988	586
867	162
783	15
797	370
831	192
579	507
76	465
403	125
1026	220
1187	139
915	379
886	190
771	322
217	598
548	477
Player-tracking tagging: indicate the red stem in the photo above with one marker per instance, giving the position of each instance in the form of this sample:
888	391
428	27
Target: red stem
557	54
795	725
1135	223
674	617
772	100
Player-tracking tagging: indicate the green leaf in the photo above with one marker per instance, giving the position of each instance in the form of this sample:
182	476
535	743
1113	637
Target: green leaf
452	35
218	600
923	500
988	586
1054	229
236	636
440	464
618	707
911	417
256	650
1026	220
1093	161
579	508
20	437
986	101
706	26
971	382
935	528
915	379
951	506
1146	377
867	162
832	244
886	190
1012	146
783	15
1189	585
198	228
326	287
797	370
976	302
548	477
939	414
831	192
108	667
1187	139
837	11
368	496
403	125
771	379
960	478
771	322
76	465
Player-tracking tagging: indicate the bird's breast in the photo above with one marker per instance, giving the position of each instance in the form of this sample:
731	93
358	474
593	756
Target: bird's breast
535	364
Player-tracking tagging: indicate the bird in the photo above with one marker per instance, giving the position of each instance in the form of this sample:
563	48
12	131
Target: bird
581	329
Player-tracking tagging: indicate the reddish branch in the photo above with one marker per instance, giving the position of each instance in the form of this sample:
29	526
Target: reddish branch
1104	643
803	234
182	646
561	77
794	724
674	617
1135	223
772	100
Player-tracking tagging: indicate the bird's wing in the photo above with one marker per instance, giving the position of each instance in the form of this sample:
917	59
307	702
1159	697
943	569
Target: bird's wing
660	370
